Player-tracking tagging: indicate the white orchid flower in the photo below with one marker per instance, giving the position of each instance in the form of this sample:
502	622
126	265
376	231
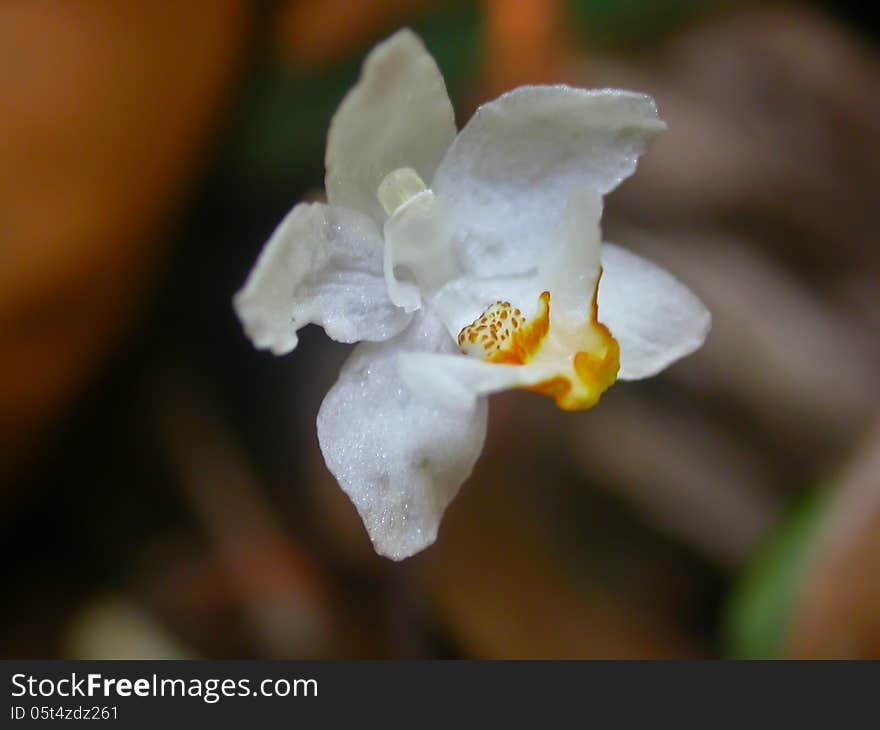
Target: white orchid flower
464	264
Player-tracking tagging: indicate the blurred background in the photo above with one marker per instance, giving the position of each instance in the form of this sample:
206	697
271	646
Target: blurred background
161	489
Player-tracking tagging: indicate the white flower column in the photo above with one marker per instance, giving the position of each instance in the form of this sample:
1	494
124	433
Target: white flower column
464	264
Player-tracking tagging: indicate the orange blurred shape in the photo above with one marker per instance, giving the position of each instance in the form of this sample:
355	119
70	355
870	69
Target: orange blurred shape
108	108
526	43
526	40
317	33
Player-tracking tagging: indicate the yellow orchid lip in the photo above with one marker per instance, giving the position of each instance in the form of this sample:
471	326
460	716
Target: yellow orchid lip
586	357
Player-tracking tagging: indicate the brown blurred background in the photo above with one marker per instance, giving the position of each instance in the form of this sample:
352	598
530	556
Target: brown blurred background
161	489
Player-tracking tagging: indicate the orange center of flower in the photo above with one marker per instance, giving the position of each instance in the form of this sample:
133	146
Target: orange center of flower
586	357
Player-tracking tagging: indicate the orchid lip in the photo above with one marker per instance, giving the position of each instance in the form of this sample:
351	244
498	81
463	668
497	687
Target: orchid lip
581	362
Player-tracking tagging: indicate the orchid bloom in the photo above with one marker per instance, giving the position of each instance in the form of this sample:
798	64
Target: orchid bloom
464	265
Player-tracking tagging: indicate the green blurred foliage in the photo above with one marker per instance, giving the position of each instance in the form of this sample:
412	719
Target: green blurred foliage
613	23
759	614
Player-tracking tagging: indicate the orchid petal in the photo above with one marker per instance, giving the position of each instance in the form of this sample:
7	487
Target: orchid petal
398	115
322	265
655	318
511	170
400	459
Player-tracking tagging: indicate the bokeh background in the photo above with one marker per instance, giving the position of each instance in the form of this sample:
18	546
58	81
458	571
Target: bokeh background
161	489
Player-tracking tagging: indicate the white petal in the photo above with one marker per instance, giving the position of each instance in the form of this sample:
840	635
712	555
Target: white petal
398	115
510	171
322	265
655	318
461	380
399	458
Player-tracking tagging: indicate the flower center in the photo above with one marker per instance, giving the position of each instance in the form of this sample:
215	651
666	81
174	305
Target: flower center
398	187
502	335
417	234
585	357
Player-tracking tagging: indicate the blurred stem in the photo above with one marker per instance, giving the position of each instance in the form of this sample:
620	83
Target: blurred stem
759	615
